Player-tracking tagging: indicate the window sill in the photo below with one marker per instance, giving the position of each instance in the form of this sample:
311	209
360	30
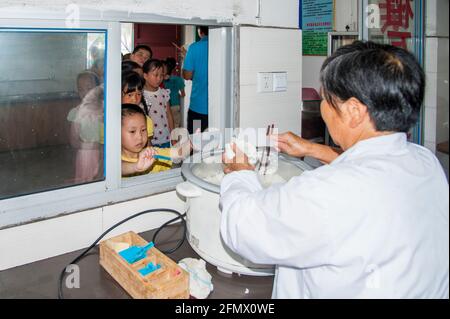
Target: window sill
29	211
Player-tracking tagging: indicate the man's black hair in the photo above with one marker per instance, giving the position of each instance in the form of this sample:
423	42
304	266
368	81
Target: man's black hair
204	29
387	79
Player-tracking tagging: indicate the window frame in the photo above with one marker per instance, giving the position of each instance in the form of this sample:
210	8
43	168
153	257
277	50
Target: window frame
113	189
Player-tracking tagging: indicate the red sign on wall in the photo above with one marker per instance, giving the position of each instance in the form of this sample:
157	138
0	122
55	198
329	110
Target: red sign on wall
396	17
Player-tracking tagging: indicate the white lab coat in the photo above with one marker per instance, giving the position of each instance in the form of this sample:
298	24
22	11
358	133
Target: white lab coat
372	224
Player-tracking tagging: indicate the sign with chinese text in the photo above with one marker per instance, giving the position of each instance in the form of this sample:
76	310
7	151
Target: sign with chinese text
395	22
397	18
317	21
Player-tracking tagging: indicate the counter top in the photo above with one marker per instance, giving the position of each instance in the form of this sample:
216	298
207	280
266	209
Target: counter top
40	279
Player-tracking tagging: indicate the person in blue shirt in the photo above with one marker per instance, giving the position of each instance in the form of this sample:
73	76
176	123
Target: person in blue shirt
195	68
176	86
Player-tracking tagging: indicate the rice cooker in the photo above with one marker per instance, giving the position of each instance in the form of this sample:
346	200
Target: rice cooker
203	215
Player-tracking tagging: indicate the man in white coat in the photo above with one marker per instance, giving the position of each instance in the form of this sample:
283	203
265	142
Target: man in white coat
373	221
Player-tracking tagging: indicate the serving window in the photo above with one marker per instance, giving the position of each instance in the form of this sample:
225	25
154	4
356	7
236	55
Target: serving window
60	113
52	105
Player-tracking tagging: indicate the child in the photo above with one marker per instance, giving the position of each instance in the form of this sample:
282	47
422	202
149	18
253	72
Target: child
132	86
129	65
86	81
176	86
158	101
141	54
165	74
137	158
86	128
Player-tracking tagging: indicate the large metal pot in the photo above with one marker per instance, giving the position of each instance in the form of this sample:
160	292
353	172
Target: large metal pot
203	212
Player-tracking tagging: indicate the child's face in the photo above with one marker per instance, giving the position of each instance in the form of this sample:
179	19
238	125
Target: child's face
165	75
131	97
85	84
154	78
134	133
140	57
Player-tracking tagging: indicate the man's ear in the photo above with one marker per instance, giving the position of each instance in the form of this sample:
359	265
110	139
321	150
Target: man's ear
356	112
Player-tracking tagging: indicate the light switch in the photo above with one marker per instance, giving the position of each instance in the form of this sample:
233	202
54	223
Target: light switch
265	82
279	81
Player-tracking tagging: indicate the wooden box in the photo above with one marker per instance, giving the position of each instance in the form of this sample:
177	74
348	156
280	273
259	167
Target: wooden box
168	282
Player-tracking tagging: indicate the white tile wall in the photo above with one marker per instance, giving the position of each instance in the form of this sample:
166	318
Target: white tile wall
437	73
431	53
24	244
436	18
284	13
430	124
431	90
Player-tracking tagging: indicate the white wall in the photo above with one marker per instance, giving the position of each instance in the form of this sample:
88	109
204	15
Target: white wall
346	14
279	13
270	50
437	73
311	71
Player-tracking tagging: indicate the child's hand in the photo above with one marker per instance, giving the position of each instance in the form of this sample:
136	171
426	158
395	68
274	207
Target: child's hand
181	150
145	159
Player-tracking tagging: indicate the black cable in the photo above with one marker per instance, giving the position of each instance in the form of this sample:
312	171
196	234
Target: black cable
164	225
78	258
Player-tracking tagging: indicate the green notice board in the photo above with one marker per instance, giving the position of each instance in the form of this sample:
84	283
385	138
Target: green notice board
317	21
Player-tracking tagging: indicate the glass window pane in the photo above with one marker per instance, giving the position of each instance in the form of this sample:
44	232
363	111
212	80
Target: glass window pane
51	110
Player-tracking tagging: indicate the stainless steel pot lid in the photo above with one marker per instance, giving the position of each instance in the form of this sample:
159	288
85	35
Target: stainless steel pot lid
206	171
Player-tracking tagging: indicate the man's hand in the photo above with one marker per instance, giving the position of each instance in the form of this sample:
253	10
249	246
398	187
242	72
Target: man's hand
292	144
238	163
296	146
145	159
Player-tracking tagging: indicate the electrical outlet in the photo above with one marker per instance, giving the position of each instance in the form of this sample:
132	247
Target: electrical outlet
265	82
280	81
